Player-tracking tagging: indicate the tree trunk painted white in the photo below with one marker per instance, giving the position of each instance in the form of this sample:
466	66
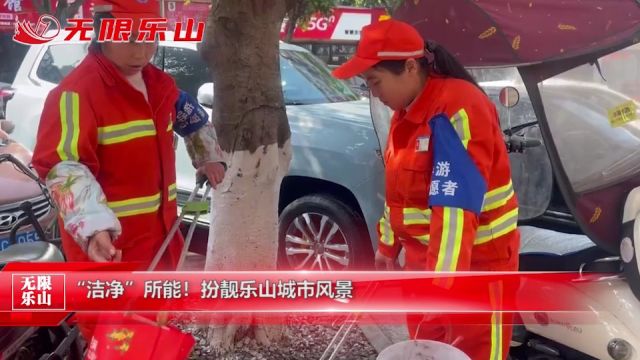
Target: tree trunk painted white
242	49
244	230
244	217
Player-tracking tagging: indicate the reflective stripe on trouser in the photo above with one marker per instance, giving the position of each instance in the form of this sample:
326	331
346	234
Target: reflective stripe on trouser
415	216
482	336
114	134
498	197
452	231
136	206
495	295
386	233
498	227
172	192
70	126
475	338
460	122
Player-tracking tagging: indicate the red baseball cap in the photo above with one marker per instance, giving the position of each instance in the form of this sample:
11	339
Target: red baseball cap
385	40
133	9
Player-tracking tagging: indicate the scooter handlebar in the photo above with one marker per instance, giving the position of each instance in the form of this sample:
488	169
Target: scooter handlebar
23	168
516	143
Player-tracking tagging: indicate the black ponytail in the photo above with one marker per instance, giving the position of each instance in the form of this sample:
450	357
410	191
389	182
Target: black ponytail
447	65
437	60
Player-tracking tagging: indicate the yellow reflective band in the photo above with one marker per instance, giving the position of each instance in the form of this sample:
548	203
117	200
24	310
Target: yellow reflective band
170	127
460	122
498	197
414	216
424	239
120	133
136	206
70	126
495	296
173	192
499	227
452	230
386	233
496	336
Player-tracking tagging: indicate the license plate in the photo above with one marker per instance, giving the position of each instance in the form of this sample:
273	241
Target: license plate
30	236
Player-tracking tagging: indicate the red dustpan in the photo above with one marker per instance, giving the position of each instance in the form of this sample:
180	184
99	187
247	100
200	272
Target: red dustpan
134	337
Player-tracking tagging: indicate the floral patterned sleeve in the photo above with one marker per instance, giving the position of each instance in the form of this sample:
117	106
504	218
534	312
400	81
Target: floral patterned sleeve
203	146
81	202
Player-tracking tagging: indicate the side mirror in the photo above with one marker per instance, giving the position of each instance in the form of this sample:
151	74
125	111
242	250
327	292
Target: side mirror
205	95
509	97
7	126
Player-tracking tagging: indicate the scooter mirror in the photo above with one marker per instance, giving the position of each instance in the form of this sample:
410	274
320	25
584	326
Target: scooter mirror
205	95
509	97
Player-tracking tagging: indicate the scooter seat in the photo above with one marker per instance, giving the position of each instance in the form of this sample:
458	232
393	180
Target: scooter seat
548	250
38	251
534	240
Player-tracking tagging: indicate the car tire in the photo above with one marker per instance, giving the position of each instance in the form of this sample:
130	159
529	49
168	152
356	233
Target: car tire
343	239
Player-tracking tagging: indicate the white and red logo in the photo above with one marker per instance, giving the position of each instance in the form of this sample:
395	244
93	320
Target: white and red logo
27	34
112	30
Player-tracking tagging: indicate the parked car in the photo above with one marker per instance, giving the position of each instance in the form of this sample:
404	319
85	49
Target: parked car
336	175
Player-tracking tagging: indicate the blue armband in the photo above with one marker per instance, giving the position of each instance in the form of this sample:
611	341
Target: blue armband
455	181
190	116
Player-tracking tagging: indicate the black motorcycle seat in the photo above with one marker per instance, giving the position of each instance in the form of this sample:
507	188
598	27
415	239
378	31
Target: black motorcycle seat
38	251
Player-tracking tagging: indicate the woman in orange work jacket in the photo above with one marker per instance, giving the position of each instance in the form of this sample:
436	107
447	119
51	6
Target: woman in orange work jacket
450	202
105	147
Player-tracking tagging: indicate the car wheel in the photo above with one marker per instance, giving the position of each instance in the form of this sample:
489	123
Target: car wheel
320	232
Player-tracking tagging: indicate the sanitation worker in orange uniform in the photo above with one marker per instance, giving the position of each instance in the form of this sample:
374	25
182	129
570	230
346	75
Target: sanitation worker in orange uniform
450	202
105	147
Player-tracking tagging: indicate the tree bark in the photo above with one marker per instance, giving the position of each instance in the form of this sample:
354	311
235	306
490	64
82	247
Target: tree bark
242	50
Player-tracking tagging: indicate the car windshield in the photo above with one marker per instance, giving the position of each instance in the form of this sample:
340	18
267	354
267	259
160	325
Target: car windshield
306	80
58	61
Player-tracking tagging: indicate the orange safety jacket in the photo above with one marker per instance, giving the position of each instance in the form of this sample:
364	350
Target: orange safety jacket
450	201
95	117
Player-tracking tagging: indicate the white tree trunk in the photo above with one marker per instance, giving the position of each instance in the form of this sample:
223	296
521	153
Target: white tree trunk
244	230
251	122
244	218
